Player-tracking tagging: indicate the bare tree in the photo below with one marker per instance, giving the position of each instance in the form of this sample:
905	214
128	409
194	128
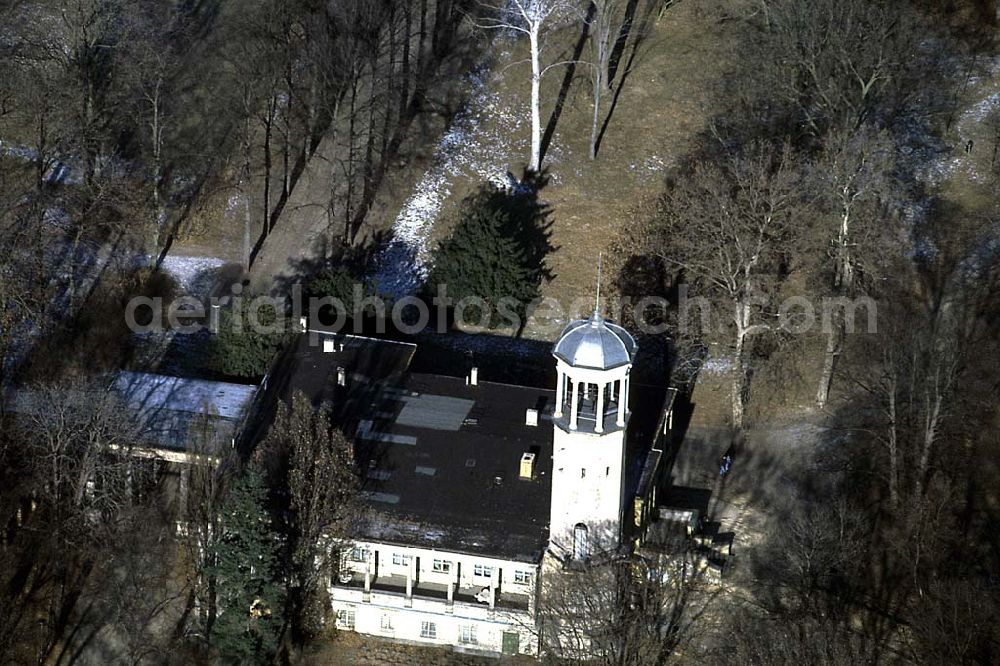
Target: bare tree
911	380
953	623
992	124
136	590
852	180
754	638
314	461
81	439
535	19
602	36
77	39
150	66
198	515
627	611
725	229
834	62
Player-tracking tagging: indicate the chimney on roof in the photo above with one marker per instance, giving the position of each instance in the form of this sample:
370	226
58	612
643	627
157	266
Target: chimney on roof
473	378
531	417
328	345
341	376
303	324
527	465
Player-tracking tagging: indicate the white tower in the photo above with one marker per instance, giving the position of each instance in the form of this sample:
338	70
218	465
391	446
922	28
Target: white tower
593	362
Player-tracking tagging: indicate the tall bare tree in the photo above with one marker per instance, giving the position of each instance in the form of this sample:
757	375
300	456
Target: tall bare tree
315	462
150	66
632	611
725	230
81	439
852	177
834	63
536	20
602	34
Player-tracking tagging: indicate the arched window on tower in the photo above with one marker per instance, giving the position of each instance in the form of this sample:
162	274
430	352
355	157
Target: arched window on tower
580	545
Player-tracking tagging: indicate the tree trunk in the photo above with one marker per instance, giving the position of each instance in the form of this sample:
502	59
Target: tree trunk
352	121
71	289
247	221
423	37
833	341
534	163
268	130
844	276
158	203
89	152
843	281
893	445
287	134
932	419
436	29
390	96
404	89
594	120
739	371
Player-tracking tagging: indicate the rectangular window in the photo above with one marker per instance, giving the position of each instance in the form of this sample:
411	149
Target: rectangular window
482	570
441	566
428	630
522	577
386	622
359	554
400	560
345	619
467	634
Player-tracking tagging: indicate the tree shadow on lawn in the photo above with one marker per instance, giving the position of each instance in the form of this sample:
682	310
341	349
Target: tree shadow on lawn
641	36
550	127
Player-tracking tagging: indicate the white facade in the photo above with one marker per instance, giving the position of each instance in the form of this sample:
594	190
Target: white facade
587	486
588	450
437	597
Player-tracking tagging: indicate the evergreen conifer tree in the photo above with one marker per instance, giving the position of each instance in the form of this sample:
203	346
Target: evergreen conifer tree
249	594
496	251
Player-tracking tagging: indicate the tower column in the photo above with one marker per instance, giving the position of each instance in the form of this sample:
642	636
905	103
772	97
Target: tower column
625	392
574	412
560	391
621	403
599	412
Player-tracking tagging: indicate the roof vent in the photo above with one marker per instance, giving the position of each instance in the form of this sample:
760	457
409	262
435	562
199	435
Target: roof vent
341	376
473	378
303	324
329	345
527	466
531	417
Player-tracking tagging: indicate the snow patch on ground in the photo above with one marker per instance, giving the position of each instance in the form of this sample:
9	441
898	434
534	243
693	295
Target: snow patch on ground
190	272
652	166
59	173
717	366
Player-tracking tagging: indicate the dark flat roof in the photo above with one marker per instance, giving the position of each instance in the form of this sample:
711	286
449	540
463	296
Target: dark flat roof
440	458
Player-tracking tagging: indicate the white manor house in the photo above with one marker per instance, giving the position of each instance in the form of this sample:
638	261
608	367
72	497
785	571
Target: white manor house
474	488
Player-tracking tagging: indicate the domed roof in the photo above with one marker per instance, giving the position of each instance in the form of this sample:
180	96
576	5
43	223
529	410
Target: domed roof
595	343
